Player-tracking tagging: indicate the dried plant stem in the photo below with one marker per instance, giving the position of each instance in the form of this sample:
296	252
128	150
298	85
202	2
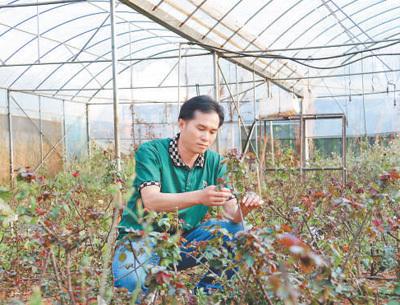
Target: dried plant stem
245	287
69	278
261	286
110	244
355	239
57	273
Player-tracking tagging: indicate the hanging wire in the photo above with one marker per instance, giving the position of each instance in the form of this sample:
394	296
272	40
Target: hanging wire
299	60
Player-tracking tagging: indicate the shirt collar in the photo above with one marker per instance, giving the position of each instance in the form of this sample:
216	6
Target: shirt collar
176	158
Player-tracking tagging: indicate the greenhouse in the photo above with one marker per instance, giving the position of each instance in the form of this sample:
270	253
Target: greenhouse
310	95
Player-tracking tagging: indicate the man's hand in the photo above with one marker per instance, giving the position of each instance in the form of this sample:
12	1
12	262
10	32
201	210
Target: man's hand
250	202
212	196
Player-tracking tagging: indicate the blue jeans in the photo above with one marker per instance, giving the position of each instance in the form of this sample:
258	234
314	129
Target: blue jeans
132	262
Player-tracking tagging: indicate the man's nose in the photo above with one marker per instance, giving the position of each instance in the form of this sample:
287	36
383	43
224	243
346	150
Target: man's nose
204	136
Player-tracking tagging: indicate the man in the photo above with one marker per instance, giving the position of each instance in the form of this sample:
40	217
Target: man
179	174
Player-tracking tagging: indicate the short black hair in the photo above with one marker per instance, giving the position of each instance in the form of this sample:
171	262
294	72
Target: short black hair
202	103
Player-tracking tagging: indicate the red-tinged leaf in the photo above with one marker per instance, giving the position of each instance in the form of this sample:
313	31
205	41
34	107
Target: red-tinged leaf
319	194
163	278
286	228
288	240
220	180
394	175
385	177
377	222
360	190
275	282
40	211
179	285
307	202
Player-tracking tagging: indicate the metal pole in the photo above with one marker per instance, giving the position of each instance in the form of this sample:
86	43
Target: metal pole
271	132
363	98
10	139
64	129
302	139
179	78
118	195
216	89
133	125
238	104
89	152
132	107
115	86
255	111
40	130
344	148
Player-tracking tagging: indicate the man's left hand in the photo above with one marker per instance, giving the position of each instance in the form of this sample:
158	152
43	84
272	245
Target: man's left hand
251	201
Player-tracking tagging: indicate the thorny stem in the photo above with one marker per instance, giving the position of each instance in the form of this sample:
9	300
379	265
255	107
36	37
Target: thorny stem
57	273
69	279
261	286
245	287
309	231
110	243
355	238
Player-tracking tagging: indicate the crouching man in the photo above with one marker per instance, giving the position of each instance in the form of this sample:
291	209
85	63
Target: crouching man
179	174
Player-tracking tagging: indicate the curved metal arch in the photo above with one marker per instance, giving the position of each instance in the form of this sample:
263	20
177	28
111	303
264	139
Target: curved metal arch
60	24
247	21
356	36
101	71
371	28
222	18
310	28
361	22
45	32
123	70
119	34
273	22
62	43
387	37
100	56
330	27
34	16
293	25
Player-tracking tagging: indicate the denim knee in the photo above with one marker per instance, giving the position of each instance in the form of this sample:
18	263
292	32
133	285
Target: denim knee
230	226
131	264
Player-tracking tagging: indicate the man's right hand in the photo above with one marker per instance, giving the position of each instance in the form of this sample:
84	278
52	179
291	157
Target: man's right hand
212	196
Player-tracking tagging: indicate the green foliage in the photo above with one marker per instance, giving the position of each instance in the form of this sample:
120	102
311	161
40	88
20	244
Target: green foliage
316	240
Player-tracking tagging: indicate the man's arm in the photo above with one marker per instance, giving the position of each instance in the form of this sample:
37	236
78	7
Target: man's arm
155	200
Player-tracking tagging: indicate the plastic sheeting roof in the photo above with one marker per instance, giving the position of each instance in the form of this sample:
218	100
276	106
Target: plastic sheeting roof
35	39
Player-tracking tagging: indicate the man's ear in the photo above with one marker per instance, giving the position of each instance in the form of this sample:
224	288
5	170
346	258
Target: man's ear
181	124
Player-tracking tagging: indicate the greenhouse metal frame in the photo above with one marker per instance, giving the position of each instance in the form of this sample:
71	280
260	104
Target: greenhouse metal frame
190	29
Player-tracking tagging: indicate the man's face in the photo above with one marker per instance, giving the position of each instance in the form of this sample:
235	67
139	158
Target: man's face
200	132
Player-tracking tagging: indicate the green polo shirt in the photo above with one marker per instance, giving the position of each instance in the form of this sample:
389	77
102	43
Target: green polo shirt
158	163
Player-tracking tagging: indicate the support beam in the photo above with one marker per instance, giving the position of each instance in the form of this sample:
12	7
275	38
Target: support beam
157	14
216	89
89	153
40	129
117	157
64	135
10	140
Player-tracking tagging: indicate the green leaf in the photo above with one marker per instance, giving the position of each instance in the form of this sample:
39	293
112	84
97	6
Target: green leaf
36	297
5	209
122	257
5	194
